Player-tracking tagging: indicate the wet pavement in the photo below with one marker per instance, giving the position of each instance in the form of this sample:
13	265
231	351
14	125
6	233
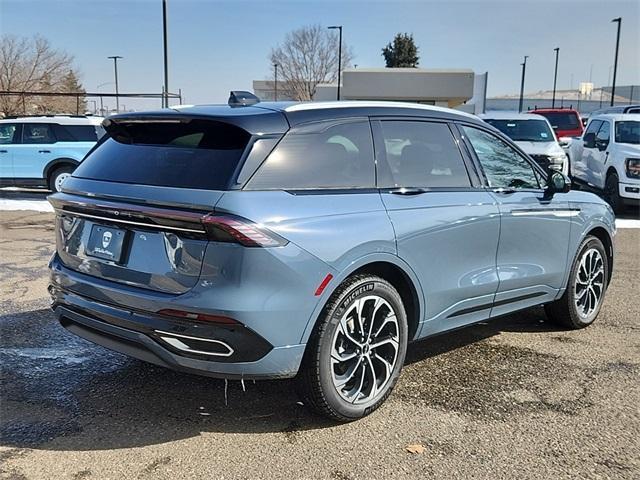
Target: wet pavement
515	397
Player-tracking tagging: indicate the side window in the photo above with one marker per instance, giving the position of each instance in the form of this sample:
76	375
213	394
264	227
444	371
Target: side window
423	154
37	133
604	133
593	127
503	166
318	156
8	133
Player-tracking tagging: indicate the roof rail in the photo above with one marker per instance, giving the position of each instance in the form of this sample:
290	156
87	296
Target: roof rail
47	115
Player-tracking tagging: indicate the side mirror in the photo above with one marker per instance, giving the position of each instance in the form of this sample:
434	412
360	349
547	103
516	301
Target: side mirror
602	145
557	182
589	140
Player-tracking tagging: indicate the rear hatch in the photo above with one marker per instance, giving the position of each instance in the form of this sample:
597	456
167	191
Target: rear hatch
133	211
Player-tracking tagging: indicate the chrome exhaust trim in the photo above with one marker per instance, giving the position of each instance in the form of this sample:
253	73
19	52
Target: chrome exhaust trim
173	339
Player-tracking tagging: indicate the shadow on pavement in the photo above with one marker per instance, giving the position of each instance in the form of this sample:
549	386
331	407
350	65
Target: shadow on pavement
69	394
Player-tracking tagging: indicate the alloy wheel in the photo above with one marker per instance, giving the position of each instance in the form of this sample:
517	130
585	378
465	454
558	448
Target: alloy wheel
589	283
365	349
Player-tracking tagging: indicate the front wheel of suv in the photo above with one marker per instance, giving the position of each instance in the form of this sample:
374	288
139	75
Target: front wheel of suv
356	352
581	302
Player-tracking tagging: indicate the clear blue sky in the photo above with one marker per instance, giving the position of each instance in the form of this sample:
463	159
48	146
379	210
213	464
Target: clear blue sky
216	46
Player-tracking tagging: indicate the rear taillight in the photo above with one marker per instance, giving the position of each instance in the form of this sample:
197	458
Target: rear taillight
230	228
203	317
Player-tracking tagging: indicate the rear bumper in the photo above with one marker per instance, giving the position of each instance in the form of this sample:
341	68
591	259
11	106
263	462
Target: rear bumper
148	338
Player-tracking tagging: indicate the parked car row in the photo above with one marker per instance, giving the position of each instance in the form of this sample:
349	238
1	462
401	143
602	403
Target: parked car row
604	157
44	151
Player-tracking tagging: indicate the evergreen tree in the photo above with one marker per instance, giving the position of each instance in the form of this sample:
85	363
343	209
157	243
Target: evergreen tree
402	53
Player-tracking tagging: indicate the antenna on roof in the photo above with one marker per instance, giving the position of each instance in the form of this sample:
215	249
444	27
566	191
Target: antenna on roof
240	98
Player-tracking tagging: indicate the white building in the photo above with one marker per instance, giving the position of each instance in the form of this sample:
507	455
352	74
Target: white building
443	87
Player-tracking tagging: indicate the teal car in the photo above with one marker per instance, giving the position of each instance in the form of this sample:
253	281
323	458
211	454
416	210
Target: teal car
44	151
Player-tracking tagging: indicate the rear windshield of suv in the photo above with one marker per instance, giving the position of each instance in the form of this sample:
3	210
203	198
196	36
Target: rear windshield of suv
199	154
562	120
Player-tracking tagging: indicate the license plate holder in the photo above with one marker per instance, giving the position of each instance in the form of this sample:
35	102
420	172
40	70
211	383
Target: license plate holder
106	243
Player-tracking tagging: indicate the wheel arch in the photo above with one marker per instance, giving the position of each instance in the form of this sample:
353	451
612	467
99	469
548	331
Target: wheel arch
603	235
57	163
392	269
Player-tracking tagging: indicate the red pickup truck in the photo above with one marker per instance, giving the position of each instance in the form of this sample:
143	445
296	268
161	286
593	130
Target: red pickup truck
566	122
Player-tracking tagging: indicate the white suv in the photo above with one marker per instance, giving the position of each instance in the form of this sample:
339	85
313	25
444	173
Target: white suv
607	158
534	135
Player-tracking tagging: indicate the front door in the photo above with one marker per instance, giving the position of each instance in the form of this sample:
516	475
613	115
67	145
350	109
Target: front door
446	225
9	137
534	229
598	156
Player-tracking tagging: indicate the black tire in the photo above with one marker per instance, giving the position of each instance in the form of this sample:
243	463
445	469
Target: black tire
315	383
564	311
612	192
53	176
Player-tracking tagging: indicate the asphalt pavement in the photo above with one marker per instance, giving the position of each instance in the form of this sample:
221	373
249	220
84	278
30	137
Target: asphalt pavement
516	397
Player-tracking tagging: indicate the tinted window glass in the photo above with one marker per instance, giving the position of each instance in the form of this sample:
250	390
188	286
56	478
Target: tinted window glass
503	166
524	130
562	120
8	133
593	127
628	131
603	133
37	133
423	154
320	156
198	154
76	133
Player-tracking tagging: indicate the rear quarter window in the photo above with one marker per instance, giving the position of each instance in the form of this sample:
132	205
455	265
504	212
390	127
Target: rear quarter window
198	154
320	156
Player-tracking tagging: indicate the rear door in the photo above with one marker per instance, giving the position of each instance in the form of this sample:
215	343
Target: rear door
446	225
534	228
35	152
9	138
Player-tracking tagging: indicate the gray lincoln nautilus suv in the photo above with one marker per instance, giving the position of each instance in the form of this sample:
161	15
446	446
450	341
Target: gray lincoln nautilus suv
315	240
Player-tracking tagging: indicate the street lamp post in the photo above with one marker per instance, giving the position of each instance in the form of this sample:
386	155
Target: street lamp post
275	82
166	61
615	63
524	69
555	78
115	59
339	27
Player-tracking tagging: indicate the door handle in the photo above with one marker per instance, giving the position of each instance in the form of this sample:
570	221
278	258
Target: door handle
408	191
4	151
44	151
504	190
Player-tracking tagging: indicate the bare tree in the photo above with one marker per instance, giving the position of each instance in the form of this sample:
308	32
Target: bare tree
32	64
308	56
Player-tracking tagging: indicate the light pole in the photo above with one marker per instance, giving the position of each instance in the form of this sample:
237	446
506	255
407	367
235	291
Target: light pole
98	89
166	61
115	69
275	83
615	62
524	69
555	78
339	27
